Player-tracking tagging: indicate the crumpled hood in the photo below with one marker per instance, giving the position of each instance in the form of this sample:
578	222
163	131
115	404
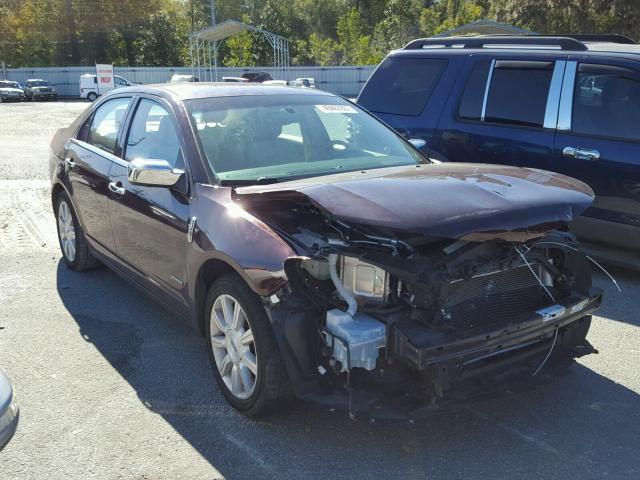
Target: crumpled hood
451	200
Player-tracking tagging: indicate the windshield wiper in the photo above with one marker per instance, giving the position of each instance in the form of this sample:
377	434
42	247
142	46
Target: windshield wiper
253	181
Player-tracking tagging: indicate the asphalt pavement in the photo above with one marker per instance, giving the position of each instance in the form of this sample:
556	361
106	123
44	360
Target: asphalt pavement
111	386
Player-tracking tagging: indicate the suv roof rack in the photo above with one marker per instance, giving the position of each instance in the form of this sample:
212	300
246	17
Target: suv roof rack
480	41
602	37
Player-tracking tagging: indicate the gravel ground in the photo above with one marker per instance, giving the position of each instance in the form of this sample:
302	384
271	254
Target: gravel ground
110	386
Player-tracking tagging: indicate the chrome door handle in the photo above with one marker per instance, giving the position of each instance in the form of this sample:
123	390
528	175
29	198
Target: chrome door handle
70	163
113	186
581	153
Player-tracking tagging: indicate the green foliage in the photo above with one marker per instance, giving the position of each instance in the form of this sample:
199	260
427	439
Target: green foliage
321	32
162	41
240	51
355	46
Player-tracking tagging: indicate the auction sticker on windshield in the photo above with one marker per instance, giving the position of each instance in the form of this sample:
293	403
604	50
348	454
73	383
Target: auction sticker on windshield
336	109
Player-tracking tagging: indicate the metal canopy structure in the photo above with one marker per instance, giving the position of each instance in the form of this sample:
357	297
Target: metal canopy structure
485	27
204	46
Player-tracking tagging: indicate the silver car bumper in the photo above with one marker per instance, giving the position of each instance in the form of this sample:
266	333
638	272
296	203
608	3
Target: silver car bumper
9	412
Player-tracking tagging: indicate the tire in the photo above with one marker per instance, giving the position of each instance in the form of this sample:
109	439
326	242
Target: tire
73	244
254	381
91	96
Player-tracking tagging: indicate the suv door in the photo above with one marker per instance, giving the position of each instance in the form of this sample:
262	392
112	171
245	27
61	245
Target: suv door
150	223
503	110
598	141
88	160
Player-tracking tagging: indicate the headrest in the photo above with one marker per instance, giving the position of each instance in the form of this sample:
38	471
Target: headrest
615	89
214	116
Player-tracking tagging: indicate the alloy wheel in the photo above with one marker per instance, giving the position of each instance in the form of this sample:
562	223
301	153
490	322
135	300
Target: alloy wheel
233	346
66	231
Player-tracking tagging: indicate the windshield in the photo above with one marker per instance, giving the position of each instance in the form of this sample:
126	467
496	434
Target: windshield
9	85
266	138
38	83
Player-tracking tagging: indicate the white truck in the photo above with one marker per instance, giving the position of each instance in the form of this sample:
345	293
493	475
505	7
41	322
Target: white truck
89	85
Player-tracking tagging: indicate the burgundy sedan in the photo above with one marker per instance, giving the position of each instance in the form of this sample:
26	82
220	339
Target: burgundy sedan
320	253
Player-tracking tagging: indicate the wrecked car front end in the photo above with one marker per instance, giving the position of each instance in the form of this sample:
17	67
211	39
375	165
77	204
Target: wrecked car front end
409	283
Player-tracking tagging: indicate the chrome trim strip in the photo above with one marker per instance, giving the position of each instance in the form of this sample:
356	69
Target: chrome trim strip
99	151
566	96
553	100
486	89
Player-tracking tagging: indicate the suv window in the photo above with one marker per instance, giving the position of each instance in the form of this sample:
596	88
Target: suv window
402	86
606	102
473	95
153	135
518	93
106	122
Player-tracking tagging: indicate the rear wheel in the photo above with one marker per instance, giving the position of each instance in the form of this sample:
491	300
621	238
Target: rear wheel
92	96
73	244
244	355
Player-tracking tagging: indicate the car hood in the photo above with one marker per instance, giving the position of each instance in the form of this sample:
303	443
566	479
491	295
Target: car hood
10	90
451	200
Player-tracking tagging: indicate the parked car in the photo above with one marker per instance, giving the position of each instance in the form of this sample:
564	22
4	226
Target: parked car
564	104
9	412
11	91
257	77
318	251
89	85
280	83
38	89
304	82
184	78
234	80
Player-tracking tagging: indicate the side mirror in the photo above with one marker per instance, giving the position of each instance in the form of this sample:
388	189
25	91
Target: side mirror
417	142
153	173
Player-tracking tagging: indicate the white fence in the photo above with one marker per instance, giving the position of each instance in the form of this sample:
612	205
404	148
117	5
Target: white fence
346	81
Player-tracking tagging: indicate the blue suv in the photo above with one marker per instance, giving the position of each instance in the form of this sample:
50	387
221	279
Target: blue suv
568	104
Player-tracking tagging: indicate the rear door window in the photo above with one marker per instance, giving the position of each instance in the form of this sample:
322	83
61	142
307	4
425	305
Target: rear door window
106	123
606	102
516	95
402	86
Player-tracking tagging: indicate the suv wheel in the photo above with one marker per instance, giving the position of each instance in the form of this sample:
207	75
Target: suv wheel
244	356
73	244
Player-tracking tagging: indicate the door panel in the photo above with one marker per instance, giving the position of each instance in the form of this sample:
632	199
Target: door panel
598	142
500	112
88	174
150	223
88	162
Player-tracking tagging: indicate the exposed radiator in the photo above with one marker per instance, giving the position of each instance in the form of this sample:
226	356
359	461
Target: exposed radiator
493	298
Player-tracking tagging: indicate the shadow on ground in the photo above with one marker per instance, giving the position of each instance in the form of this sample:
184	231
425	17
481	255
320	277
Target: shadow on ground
581	426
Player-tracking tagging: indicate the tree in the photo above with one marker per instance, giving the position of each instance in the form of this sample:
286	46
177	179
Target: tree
240	51
162	41
356	47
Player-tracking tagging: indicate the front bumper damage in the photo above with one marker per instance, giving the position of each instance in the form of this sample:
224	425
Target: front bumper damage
437	354
423	374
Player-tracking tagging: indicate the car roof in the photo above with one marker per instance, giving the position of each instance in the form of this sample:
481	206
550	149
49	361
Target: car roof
36	80
189	91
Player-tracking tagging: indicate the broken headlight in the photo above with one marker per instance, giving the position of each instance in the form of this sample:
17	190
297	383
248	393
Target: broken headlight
364	280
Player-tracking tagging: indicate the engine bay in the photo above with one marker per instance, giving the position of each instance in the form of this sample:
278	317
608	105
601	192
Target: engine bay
366	302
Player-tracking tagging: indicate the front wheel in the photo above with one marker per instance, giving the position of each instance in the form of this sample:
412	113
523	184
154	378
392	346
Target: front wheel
244	355
92	97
